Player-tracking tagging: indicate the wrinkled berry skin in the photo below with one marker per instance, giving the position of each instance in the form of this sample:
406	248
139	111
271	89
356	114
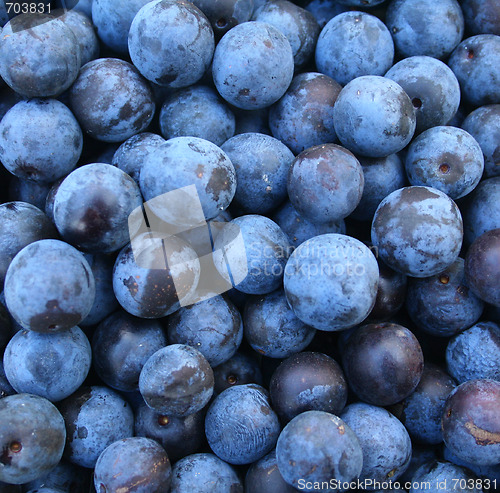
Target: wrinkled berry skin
443	305
49	286
176	380
253	65
432	87
49	52
40	140
482	267
133	464
191	472
178	436
436	37
484	125
31	437
111	101
92	207
303	117
240	425
121	345
471	423
422	409
318	446
446	158
444	474
20	224
171	42
475	353
264	475
197	111
95	417
325	183
308	382
49	365
412	240
383	363
297	24
374	117
271	327
384	440
325	269
353	44
475	63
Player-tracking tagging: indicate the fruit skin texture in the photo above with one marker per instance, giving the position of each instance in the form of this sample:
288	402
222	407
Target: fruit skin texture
326	269
264	475
471	423
418	231
253	65
38	427
240	425
374	117
49	286
318	446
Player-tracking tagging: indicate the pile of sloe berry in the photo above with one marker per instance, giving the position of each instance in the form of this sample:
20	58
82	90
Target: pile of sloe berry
249	246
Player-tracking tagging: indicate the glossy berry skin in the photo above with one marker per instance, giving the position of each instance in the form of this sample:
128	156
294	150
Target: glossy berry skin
482	267
353	44
167	51
323	270
325	183
421	411
49	286
412	241
318	446
308	382
92	206
50	53
264	475
121	345
49	365
240	425
133	464
303	117
110	100
176	380
32	192
437	37
432	87
182	162
471	423
156	286
475	353
31	438
197	111
238	370
443	305
484	125
297	24
271	327
374	117
253	65
20	224
213	327
40	140
446	158
178	436
258	267
383	363
130	156
262	164
384	440
474	62
190	474
95	417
